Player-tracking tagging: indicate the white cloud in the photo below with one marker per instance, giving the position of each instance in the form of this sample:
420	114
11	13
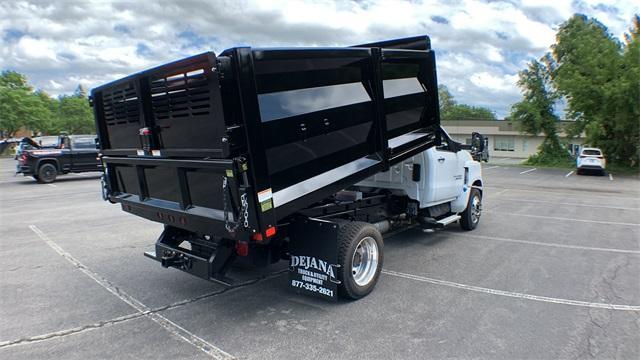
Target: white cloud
481	45
495	83
55	85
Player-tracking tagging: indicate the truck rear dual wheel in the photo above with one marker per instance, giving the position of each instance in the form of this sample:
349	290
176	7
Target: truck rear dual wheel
470	217
47	173
360	256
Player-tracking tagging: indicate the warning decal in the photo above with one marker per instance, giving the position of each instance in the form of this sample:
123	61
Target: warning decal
264	198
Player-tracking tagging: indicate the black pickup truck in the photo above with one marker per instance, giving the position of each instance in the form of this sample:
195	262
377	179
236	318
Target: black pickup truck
74	153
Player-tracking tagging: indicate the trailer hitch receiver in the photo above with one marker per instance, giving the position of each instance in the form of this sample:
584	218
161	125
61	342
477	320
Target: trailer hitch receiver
175	259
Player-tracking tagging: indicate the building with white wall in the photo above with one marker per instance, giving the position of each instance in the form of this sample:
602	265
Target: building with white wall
505	140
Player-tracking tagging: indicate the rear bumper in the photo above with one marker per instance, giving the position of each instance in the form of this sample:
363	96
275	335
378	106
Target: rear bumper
197	219
25	170
590	167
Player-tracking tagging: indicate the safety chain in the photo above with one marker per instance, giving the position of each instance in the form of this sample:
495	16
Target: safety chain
244	211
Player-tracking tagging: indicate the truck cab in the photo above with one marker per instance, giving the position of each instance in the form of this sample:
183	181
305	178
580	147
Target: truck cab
441	179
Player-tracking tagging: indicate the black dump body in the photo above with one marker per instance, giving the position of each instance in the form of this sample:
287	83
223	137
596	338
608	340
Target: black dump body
227	146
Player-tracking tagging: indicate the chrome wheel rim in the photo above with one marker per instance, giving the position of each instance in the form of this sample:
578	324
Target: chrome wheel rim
476	209
364	261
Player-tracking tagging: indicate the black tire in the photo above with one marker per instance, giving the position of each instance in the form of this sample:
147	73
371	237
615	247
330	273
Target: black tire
359	236
47	173
470	217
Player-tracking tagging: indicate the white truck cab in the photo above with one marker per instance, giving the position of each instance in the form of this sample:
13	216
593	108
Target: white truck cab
445	180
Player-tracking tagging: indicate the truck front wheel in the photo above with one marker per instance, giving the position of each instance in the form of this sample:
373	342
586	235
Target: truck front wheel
47	173
360	256
470	217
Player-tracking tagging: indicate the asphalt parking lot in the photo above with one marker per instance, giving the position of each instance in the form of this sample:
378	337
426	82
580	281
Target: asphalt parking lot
551	272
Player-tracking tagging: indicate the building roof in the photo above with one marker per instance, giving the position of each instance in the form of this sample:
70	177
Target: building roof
492	127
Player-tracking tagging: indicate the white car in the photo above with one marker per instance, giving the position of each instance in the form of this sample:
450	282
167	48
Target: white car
590	159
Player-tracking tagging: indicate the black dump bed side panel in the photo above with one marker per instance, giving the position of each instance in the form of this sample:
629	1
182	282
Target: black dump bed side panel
331	117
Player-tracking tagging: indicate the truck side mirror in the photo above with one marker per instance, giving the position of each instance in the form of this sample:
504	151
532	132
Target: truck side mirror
477	142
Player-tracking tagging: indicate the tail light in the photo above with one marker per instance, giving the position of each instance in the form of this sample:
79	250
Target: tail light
268	233
256	237
242	248
23	158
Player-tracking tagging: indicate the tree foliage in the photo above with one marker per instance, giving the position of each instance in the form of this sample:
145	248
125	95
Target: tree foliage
22	108
451	110
600	77
534	113
74	115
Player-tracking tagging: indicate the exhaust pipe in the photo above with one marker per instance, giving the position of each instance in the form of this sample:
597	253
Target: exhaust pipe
382	226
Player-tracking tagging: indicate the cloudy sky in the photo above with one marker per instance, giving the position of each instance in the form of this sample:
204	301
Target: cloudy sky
481	45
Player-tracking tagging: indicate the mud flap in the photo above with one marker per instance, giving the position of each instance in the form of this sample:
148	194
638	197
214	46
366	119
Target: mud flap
313	268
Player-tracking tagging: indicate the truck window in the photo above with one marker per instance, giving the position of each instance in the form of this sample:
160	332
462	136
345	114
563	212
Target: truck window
591	152
83	143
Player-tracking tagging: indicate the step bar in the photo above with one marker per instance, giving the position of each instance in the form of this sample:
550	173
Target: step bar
431	223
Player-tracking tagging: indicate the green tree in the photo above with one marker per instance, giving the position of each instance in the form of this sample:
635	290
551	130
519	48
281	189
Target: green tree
445	99
23	108
13	80
451	110
74	115
534	113
20	107
599	77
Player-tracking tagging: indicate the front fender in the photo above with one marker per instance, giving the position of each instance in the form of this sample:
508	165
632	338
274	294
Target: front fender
473	177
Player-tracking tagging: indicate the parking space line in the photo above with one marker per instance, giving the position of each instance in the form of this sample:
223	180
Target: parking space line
610	177
577	247
569	174
564	219
564	203
526	171
512	294
173	328
125	318
565	192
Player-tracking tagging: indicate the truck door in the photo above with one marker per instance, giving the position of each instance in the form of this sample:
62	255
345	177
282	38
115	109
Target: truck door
84	153
449	174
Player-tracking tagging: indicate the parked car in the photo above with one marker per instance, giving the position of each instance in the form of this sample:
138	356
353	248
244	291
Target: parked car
69	153
590	159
